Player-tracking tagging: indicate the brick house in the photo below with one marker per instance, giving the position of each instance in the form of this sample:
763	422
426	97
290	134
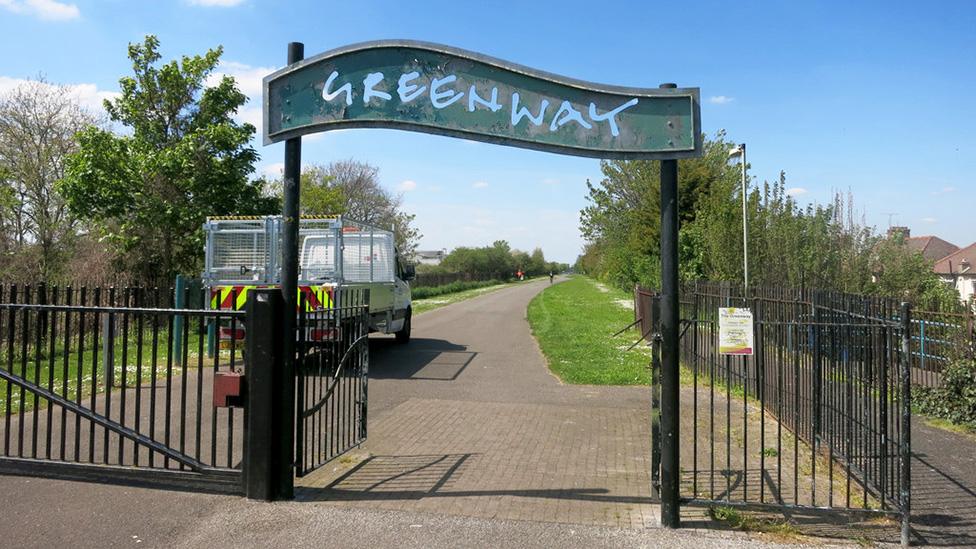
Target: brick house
959	269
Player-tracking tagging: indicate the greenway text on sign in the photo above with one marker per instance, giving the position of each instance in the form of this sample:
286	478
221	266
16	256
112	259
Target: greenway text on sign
735	335
438	89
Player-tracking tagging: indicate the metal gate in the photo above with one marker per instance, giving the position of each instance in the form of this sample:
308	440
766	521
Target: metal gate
819	416
331	376
94	385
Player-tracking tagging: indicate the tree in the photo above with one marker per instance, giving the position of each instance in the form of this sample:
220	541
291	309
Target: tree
823	246
352	189
182	158
622	221
38	121
497	260
537	263
903	273
319	196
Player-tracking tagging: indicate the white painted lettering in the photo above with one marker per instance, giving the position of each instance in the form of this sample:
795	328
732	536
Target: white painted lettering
369	92
437	97
329	96
408	92
568	114
492	104
519	113
609	116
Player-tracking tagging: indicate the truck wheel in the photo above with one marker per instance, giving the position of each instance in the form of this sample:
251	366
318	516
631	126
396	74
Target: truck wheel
403	336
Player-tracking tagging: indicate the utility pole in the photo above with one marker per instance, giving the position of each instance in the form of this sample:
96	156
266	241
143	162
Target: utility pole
740	150
284	406
670	464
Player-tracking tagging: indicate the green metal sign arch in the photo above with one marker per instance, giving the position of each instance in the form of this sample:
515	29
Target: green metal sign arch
431	88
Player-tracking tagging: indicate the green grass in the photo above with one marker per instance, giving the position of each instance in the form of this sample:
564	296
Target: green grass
436	302
573	322
947	425
781	530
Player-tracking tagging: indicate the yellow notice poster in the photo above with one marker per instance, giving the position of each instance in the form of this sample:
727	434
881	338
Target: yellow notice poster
735	336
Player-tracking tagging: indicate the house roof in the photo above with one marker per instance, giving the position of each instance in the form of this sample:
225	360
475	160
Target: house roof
932	248
961	262
430	253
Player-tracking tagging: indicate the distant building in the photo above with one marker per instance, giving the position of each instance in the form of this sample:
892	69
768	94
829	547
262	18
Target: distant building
429	257
932	248
954	266
959	269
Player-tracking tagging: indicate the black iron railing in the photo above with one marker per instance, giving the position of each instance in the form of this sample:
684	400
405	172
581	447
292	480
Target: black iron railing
95	376
817	416
331	374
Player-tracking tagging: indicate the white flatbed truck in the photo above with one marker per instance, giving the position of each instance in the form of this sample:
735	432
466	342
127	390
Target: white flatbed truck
335	254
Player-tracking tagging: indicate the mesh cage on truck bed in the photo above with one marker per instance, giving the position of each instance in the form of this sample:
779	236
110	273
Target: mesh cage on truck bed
247	250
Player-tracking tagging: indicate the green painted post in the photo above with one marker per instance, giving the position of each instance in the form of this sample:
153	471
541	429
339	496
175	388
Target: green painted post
179	302
211	338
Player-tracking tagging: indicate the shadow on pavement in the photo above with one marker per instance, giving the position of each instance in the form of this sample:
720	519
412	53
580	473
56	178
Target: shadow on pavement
421	359
944	508
386	478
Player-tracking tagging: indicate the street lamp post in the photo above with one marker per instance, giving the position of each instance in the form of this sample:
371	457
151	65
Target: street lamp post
740	150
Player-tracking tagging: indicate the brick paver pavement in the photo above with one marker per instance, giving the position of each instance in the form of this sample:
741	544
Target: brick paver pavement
467	420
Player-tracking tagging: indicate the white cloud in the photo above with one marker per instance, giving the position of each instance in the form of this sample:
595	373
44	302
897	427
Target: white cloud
216	3
796	191
273	170
550	181
249	80
87	95
720	99
479	184
407	186
930	220
944	190
48	10
251	115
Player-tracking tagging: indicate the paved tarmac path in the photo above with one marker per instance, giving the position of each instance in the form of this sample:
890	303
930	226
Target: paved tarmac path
467	419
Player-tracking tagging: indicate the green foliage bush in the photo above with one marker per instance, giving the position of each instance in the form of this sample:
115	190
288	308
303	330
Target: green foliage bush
955	399
459	286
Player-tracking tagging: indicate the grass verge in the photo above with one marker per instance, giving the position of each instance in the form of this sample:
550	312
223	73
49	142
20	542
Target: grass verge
573	322
947	425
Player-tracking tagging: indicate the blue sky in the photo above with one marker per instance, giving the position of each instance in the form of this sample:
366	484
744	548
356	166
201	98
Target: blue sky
874	97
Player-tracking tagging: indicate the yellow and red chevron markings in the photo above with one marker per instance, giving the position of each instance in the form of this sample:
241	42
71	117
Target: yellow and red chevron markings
235	297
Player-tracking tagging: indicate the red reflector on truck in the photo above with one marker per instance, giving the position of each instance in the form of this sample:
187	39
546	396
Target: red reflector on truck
322	335
229	333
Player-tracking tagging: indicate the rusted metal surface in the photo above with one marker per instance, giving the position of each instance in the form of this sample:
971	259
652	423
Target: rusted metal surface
430	88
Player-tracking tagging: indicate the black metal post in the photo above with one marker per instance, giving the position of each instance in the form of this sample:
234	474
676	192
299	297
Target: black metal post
266	476
655	312
906	423
670	466
817	398
289	286
108	348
